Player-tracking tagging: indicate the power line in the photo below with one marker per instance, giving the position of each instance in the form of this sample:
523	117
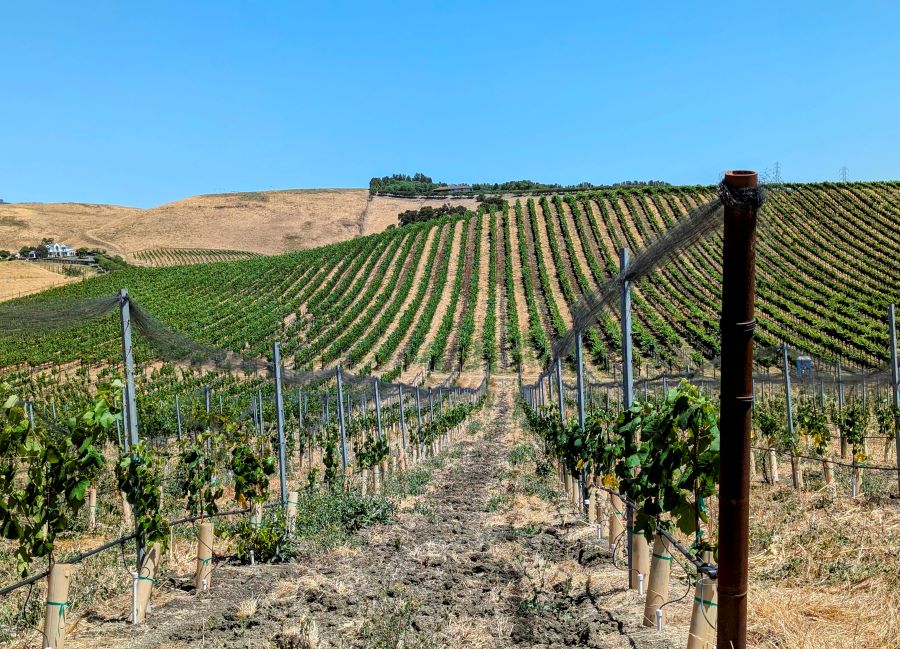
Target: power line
844	173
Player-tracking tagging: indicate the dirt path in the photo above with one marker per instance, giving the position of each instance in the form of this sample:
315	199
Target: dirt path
476	561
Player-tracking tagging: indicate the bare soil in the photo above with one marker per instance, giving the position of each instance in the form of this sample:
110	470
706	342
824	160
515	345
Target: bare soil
452	571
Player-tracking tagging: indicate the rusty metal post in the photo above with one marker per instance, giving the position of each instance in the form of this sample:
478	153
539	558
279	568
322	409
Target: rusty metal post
738	323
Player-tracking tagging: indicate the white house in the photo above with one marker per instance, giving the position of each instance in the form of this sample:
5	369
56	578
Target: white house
55	250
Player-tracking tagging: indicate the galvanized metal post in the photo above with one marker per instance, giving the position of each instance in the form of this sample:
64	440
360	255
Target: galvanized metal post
430	405
402	416
628	396
259	404
131	428
895	378
178	415
279	410
737	325
206	395
840	380
559	391
131	424
340	400
378	408
419	417
579	362
786	368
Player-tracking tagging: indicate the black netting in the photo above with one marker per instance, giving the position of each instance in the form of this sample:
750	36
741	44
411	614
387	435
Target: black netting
38	316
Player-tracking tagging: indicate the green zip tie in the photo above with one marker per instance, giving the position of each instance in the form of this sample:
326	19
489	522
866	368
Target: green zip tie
205	561
293	502
150	579
62	615
662	556
704	601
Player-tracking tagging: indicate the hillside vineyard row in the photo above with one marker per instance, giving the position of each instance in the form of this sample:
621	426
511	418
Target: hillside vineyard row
497	286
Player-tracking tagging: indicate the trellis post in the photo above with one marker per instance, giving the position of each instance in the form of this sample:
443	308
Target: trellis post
340	399
279	409
895	378
736	394
627	396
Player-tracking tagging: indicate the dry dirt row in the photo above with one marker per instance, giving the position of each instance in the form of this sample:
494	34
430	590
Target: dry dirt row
454	570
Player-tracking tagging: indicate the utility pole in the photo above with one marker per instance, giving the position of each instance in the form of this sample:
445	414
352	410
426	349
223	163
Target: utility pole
777	178
844	174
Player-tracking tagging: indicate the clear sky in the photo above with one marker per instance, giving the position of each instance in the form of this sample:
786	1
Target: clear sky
140	103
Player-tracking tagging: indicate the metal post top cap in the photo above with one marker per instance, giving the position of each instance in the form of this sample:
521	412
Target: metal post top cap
741	178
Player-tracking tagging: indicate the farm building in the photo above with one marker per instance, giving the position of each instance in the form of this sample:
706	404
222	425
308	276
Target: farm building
56	250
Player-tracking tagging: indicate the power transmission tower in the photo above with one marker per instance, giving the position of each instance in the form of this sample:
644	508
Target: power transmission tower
777	179
844	173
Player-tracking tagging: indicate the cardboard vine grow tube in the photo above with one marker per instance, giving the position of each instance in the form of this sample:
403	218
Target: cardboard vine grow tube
615	522
203	573
702	633
57	605
658	583
146	580
640	560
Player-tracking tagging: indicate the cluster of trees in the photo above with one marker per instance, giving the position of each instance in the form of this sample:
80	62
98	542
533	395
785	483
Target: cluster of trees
487	201
403	184
642	183
419	184
427	213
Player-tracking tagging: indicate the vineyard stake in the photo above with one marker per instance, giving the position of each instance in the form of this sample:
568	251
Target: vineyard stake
559	390
796	475
206	396
895	378
402	418
736	394
178	415
378	409
840	380
57	603
340	409
628	396
131	428
419	416
279	409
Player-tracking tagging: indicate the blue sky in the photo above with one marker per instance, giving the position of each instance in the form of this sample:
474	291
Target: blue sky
143	103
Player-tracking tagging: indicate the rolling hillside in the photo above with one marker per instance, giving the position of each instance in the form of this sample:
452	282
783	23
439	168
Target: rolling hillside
498	286
265	223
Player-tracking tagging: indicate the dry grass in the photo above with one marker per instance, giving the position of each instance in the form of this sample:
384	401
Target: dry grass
260	222
19	278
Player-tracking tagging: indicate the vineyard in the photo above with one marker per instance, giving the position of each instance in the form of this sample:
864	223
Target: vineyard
453	433
183	256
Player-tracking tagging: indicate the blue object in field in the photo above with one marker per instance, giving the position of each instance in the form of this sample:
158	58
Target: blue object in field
804	366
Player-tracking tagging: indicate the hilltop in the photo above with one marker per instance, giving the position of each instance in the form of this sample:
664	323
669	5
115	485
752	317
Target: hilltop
266	222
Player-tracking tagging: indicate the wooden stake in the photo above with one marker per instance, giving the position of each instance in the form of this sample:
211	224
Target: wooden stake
205	540
290	514
92	508
57	604
126	511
